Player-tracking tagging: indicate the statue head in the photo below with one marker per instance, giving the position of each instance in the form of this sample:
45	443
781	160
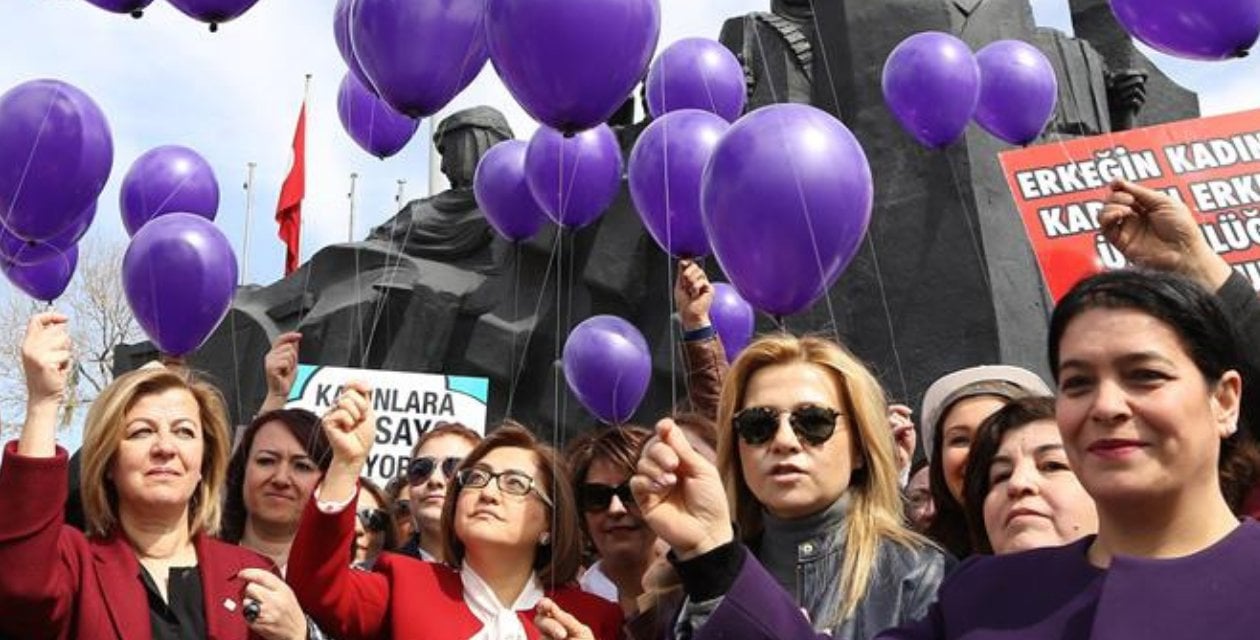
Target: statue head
463	137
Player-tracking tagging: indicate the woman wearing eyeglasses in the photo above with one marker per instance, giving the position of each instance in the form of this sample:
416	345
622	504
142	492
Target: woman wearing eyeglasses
809	471
510	536
433	462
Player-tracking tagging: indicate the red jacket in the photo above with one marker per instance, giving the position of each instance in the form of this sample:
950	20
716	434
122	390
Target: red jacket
57	583
402	597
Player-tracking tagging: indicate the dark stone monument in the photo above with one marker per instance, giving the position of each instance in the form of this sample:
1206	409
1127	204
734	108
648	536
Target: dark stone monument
946	279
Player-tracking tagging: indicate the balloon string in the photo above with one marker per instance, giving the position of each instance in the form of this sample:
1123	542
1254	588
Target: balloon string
971	230
236	368
529	335
673	343
558	371
30	156
391	275
568	312
516	312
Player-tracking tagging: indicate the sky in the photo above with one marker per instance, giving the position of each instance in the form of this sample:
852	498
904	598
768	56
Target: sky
234	96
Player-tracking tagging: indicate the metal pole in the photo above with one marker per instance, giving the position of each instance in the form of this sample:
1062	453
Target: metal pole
353	177
402	190
249	220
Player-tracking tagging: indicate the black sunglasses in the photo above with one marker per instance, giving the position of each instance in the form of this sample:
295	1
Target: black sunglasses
420	469
374	520
813	424
596	497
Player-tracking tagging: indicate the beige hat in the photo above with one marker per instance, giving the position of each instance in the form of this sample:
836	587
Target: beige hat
1003	381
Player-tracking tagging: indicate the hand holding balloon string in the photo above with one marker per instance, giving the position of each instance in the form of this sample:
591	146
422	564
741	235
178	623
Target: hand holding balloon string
350	428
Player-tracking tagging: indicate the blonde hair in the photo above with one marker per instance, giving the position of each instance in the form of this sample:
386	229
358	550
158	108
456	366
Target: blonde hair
106	424
875	511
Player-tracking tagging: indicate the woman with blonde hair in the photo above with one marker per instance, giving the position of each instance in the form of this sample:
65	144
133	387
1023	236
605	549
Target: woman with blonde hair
155	455
811	478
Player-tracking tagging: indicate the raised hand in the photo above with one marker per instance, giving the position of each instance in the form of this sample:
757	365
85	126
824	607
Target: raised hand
281	363
680	494
1155	230
279	616
693	295
349	424
46	359
555	623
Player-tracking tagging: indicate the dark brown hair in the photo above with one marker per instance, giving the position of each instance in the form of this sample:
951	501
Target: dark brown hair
557	562
387	505
618	445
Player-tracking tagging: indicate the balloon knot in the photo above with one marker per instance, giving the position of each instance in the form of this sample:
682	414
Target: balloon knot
214	27
137	14
1242	53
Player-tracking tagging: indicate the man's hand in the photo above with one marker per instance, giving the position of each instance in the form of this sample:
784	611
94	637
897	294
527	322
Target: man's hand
693	295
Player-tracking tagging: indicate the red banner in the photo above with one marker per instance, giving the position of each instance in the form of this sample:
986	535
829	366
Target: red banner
1211	164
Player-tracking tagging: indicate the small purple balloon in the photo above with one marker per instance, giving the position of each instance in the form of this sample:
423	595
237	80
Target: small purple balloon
571	64
932	84
419	55
573	178
341	33
733	319
24	252
1195	29
666	168
214	12
1018	91
503	195
56	153
372	123
164	180
787	199
45	280
133	7
697	73
179	274
608	367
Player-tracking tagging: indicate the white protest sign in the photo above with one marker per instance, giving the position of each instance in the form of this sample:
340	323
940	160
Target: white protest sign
406	405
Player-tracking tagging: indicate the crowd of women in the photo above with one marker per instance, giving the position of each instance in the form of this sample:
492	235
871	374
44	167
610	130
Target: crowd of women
784	503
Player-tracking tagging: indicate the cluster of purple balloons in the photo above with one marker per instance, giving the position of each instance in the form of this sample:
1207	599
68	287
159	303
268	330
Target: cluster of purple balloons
935	87
213	12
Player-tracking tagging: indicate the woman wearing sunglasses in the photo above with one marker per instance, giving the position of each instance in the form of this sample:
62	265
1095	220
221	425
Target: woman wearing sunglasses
374	529
510	536
433	462
809	471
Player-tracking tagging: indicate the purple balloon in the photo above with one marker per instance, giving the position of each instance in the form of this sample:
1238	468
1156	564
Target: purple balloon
133	7
697	73
608	367
372	123
164	180
733	319
503	195
932	84
24	252
179	274
1018	91
214	12
419	55
571	64
341	33
1196	29
665	170
45	280
573	178
55	157
787	199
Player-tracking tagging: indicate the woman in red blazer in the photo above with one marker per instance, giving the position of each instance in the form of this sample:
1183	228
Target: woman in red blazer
511	533
155	451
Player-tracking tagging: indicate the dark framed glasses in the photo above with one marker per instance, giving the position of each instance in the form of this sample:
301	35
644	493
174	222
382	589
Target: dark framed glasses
595	497
420	469
511	482
374	520
811	423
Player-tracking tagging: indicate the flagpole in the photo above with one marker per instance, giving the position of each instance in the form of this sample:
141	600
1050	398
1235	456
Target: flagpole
249	220
402	189
353	177
306	113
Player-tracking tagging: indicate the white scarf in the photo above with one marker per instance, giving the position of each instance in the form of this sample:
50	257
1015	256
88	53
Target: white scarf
501	623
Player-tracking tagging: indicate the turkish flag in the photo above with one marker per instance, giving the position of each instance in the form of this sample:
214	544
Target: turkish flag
289	208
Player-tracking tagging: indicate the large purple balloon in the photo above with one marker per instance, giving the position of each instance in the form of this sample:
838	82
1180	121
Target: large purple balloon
665	170
572	63
1018	91
697	73
787	199
733	319
341	33
164	180
24	252
55	157
372	123
932	84
133	7
573	178
1197	29
419	55
503	195
45	280
608	367
179	274
214	12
